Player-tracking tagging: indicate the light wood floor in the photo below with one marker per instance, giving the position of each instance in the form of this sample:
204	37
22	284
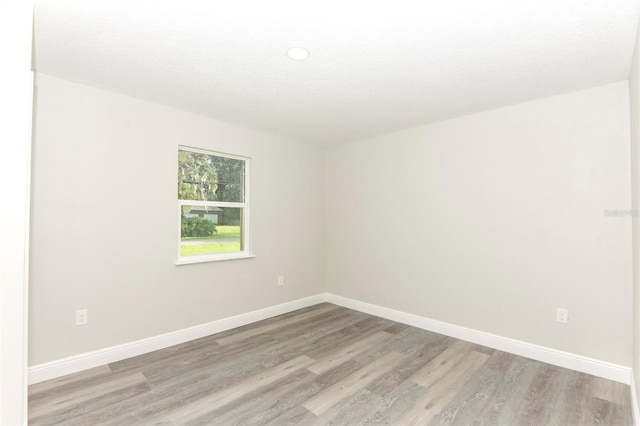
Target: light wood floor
329	365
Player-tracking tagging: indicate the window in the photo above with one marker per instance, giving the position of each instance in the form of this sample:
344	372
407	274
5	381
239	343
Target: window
213	206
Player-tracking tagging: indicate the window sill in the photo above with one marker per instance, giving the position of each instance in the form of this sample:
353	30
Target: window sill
203	259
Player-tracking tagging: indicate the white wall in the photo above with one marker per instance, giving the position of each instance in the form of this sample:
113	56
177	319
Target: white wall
492	220
15	132
104	222
634	98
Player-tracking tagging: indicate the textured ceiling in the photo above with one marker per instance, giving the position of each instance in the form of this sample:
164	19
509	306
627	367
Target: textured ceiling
375	67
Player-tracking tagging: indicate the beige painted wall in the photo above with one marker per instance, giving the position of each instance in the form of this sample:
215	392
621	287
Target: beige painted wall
104	222
492	220
634	98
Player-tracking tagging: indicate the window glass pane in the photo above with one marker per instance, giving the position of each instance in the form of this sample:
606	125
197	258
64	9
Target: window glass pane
208	177
230	179
209	230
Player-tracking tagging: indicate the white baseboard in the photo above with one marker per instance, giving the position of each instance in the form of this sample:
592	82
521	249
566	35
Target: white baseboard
76	363
634	401
580	363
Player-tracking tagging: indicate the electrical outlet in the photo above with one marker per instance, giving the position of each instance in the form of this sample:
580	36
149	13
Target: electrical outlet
562	315
82	317
280	280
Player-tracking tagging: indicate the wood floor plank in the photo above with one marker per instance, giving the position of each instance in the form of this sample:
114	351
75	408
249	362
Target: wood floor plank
442	364
152	408
608	413
95	411
612	392
342	354
435	398
203	406
61	402
350	384
244	353
277	319
575	400
395	404
353	411
542	397
416	359
40	390
207	378
493	395
262	406
243	358
316	328
183	353
296	416
305	390
266	328
414	339
347	334
187	363
204	382
329	365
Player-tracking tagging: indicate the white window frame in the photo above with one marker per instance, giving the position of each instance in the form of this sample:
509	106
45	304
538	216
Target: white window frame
246	243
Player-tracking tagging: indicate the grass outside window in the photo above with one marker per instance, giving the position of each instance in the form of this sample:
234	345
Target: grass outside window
194	246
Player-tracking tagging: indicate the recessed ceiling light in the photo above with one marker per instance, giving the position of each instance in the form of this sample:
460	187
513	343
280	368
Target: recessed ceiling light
298	53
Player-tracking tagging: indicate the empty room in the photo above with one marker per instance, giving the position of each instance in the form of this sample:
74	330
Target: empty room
331	213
